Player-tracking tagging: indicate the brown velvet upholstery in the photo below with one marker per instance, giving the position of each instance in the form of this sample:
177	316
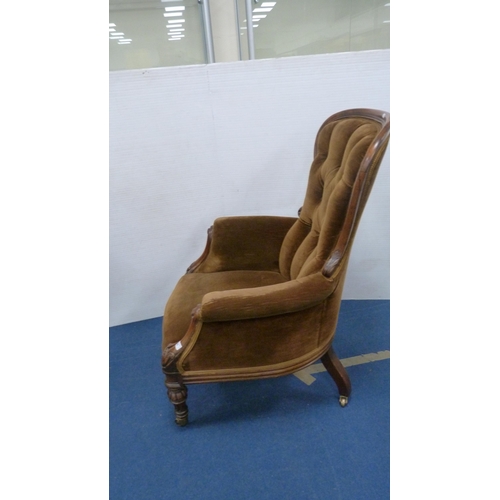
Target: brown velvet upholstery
263	299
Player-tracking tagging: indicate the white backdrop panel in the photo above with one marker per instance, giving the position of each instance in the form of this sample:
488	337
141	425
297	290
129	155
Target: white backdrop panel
189	144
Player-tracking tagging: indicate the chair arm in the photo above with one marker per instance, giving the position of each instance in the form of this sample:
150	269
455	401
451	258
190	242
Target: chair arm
271	300
244	243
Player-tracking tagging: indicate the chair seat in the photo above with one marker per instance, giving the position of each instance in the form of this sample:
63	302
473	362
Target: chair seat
191	288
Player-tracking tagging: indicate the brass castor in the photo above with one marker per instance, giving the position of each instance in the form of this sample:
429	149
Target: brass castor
181	422
181	416
343	401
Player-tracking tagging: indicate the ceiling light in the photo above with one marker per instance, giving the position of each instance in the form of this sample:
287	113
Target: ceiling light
262	10
177	30
116	34
174	26
115	37
176	20
111	29
259	16
172	9
123	43
268	4
112	24
172	14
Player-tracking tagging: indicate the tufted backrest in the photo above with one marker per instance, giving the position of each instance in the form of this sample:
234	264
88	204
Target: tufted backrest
348	150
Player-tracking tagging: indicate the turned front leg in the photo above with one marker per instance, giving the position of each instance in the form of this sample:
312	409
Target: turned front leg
177	393
176	389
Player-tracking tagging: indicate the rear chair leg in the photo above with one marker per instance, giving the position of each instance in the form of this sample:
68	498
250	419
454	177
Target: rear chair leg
339	374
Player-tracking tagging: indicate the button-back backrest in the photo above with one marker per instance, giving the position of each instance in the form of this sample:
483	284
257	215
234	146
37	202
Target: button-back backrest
341	147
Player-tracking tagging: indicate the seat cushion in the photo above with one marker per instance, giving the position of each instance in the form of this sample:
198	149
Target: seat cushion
191	288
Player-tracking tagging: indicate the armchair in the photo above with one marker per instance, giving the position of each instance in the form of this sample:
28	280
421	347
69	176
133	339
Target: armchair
263	298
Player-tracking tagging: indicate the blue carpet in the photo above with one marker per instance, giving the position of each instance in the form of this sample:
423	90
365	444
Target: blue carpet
268	439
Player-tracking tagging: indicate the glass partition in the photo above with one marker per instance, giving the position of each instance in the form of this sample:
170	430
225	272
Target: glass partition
150	34
156	33
302	27
241	20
